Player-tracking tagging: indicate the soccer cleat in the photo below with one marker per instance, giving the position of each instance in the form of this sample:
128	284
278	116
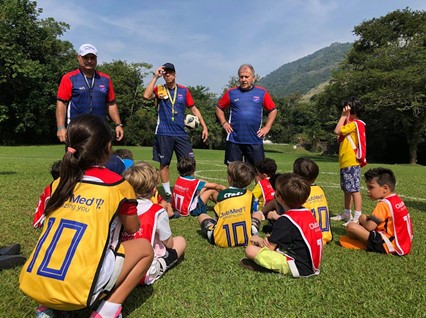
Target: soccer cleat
341	217
13	249
10	261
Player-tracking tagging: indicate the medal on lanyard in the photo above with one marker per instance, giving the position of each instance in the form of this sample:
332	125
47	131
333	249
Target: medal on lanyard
172	101
90	90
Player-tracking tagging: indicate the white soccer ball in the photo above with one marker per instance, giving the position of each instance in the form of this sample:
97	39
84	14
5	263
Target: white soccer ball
191	121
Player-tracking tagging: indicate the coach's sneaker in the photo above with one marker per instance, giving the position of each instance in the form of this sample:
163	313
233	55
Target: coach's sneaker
342	217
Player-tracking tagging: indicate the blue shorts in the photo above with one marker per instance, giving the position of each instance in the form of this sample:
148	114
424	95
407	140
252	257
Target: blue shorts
164	146
243	152
200	208
350	179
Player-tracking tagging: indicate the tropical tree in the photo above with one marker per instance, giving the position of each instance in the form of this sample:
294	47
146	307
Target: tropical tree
32	61
386	68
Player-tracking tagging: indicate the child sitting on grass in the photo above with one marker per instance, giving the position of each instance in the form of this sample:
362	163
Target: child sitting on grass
190	195
263	190
234	223
154	222
45	196
317	202
388	229
295	244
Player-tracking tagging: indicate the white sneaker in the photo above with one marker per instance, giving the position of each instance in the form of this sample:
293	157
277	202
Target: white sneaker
341	217
352	220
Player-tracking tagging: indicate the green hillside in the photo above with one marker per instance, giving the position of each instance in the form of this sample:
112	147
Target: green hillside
306	73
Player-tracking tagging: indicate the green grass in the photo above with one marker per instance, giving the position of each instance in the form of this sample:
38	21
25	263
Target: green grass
209	282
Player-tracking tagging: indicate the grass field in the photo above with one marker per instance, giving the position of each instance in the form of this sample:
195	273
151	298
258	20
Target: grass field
209	282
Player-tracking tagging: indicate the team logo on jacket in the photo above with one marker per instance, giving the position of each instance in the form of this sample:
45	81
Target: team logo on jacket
256	99
102	88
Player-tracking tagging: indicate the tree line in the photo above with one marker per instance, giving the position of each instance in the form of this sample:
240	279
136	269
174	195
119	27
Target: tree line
385	68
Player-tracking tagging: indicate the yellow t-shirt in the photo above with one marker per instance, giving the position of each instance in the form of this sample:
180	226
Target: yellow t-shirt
347	157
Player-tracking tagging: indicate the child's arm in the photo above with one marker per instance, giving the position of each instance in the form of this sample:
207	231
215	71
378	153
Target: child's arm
271	246
369	222
215	186
342	121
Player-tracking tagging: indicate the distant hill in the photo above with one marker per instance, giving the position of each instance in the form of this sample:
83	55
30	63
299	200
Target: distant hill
305	73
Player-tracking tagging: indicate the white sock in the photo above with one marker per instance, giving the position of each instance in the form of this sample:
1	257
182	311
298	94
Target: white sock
357	214
347	212
166	187
108	309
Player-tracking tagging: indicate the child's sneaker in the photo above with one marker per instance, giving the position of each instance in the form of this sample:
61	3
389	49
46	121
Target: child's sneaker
352	220
118	314
342	217
44	312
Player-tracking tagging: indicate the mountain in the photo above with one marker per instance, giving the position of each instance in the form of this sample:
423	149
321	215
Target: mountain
305	73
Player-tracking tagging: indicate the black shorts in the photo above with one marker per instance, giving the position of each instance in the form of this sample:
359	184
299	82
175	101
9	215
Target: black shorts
375	243
171	257
243	152
164	146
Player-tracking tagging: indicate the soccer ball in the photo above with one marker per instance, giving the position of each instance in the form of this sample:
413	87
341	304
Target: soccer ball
191	121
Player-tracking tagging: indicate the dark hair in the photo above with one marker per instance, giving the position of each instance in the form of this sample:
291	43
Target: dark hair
240	174
124	153
273	179
55	169
306	168
267	166
382	176
357	108
186	166
293	189
89	138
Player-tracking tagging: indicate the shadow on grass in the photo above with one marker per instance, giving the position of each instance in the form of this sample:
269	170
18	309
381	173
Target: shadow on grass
137	298
421	206
7	172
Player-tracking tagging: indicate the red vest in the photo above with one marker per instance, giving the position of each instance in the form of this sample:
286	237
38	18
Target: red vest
402	226
309	229
147	230
268	191
184	193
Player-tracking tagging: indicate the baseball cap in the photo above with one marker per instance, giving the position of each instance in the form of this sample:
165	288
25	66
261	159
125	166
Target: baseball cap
115	163
169	66
87	49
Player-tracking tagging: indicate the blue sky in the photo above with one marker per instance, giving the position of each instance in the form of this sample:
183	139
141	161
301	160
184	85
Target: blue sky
208	40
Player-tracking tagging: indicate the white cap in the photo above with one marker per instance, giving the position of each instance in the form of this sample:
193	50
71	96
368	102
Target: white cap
87	49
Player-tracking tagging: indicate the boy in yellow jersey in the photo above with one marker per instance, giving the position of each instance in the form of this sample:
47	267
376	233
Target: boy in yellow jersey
351	133
316	202
234	223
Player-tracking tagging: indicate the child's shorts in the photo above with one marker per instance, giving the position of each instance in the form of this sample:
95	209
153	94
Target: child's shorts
375	243
200	207
350	179
272	260
207	229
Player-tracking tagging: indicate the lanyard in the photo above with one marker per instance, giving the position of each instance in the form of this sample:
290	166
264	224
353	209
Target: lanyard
172	100
90	86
